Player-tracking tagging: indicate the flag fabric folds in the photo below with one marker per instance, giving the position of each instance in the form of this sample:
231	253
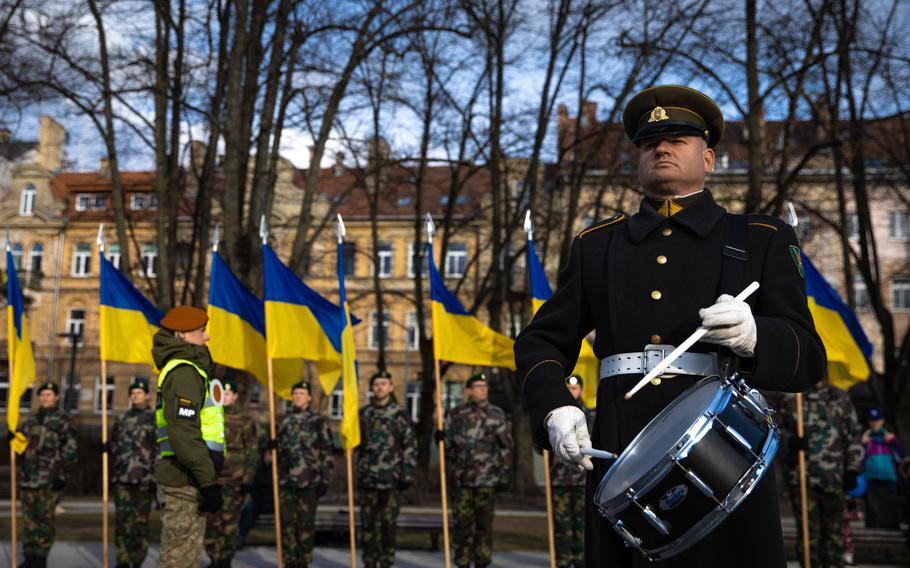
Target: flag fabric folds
129	320
299	323
21	357
350	417
460	337
587	365
845	342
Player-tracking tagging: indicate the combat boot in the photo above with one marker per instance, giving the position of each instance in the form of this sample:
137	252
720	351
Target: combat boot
226	562
39	562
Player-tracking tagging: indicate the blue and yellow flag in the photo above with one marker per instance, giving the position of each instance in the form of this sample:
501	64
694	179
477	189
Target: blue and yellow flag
21	358
587	366
299	323
129	320
845	342
350	417
460	337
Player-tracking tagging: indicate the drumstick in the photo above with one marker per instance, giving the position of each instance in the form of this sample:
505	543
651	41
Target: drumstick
684	346
600	454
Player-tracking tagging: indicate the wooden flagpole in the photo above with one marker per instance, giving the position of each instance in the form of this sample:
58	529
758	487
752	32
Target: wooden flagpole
349	464
549	495
105	457
442	468
803	493
14	547
274	452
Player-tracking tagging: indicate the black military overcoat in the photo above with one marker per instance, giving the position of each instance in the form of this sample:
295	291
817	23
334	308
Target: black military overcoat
642	280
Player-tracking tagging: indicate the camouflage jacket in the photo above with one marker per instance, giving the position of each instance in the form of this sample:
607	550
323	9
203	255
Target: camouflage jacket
51	450
241	448
387	454
304	450
134	446
833	434
479	445
563	474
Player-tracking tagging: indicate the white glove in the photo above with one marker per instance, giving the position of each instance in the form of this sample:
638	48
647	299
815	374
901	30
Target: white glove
730	323
568	430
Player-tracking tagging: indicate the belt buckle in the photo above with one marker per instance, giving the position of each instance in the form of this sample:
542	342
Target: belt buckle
646	357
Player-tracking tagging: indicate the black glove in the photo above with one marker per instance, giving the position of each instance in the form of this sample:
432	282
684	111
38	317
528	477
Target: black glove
211	499
10	435
105	447
58	485
404	485
321	490
439	436
272	444
246	488
798	443
850	480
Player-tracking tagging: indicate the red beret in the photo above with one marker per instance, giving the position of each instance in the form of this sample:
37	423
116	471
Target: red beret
184	318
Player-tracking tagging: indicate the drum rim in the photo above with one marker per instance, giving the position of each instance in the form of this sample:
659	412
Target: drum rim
691	436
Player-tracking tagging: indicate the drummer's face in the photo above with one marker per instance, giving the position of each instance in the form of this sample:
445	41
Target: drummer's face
575	390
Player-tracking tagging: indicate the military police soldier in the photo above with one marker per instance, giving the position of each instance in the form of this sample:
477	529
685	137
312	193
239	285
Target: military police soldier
305	467
50	453
568	484
133	449
479	447
834	458
387	457
646	282
190	435
241	459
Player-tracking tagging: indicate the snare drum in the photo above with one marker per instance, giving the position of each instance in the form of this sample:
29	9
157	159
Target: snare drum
689	468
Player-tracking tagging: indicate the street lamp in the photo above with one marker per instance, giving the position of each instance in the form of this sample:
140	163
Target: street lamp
70	388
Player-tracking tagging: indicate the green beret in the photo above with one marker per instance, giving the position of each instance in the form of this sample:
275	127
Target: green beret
383	374
140	383
574	380
302	385
229	385
666	110
49	386
478	378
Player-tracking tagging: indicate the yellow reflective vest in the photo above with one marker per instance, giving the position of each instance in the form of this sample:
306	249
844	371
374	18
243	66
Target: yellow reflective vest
211	418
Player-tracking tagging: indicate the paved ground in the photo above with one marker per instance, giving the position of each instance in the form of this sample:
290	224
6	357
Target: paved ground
88	555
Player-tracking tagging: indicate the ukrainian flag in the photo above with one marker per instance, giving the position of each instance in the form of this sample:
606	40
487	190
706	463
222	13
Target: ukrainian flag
459	336
587	365
128	319
299	323
845	342
21	358
350	418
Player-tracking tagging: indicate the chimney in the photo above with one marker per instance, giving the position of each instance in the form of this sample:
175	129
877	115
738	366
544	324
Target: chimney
104	167
338	168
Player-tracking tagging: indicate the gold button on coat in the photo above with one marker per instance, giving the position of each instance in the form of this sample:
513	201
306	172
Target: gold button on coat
655	295
667	232
655	381
661	259
655	339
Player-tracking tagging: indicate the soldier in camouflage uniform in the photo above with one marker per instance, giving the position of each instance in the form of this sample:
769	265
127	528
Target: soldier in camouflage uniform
834	457
133	448
50	453
479	438
387	456
304	468
241	458
568	483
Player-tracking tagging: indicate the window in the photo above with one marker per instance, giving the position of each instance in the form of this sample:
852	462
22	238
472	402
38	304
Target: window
412	400
456	260
336	403
804	227
152	202
853	226
860	294
412	342
100	202
82	259
183	257
149	260
723	161
108	392
900	293
113	254
385	260
350	266
374	330
16	251
898	225
421	260
75	323
34	258
27	201
404	201
25	401
138	201
83	201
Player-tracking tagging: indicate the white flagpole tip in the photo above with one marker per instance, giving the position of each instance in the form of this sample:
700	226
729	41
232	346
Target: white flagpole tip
263	230
792	218
529	225
340	229
215	238
431	227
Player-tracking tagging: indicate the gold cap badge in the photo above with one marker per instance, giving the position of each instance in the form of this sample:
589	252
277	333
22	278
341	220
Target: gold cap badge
658	114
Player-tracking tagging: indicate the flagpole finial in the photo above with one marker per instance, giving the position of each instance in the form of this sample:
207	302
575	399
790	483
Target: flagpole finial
792	218
431	227
340	230
8	248
100	239
263	230
216	236
529	225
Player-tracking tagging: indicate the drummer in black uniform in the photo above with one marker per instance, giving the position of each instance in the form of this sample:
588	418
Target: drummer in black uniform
646	282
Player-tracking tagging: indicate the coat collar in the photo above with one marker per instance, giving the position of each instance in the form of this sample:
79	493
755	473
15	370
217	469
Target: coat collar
700	217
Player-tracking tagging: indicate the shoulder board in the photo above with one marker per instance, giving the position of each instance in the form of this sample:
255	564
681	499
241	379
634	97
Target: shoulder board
765	222
602	225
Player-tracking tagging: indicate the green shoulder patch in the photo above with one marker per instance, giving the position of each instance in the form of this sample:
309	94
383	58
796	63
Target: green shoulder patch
797	260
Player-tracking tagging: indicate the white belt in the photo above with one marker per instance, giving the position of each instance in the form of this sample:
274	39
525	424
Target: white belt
641	363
